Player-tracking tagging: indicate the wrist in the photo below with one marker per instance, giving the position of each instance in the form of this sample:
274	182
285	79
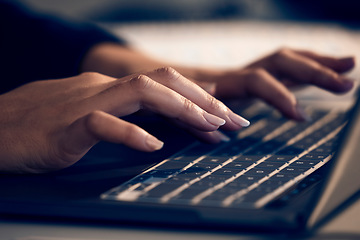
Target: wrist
116	60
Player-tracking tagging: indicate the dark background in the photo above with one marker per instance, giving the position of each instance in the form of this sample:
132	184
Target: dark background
344	11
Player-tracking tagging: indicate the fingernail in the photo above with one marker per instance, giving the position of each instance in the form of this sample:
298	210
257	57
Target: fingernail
239	120
153	142
302	114
221	137
214	120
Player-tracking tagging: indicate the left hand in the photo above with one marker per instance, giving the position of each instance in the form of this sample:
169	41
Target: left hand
271	78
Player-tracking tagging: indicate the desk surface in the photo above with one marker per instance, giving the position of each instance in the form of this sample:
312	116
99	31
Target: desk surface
233	44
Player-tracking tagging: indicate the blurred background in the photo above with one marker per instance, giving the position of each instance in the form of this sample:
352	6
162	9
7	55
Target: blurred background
343	11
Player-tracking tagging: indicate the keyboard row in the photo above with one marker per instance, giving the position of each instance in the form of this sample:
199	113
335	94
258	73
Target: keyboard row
243	172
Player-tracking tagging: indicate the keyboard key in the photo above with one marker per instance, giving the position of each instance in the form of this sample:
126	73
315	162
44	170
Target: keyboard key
191	174
214	160
256	171
239	164
303	163
294	170
215	179
236	147
161	190
249	158
248	179
266	148
204	184
162	173
198	149
204	167
270	164
290	151
279	159
314	156
235	186
181	178
226	172
172	165
284	176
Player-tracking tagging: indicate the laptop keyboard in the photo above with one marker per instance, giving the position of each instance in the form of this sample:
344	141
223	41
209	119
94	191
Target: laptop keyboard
258	165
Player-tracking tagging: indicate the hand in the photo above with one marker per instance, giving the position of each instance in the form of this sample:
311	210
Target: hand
271	77
49	125
268	78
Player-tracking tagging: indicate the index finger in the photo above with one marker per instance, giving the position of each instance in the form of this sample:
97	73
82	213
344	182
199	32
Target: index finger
127	97
175	81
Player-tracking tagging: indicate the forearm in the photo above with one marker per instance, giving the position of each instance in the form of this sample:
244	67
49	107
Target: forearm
116	60
120	60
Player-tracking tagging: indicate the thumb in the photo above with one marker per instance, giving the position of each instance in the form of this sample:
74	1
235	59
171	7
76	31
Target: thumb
98	125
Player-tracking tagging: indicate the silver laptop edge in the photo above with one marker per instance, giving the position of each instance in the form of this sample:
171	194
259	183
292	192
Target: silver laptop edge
343	180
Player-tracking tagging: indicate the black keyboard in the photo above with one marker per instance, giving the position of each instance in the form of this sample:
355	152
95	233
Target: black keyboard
258	165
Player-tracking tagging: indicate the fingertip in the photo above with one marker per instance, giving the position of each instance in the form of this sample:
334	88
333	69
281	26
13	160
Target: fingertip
153	143
239	120
301	114
293	110
346	84
213	119
345	64
350	61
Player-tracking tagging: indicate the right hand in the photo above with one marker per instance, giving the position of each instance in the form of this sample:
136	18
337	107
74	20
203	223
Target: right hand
49	125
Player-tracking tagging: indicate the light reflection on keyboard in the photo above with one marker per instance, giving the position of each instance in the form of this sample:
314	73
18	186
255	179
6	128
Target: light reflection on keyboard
258	165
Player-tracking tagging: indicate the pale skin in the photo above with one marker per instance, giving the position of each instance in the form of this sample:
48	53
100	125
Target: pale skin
50	125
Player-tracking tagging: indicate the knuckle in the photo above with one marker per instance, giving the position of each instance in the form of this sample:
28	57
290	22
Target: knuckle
141	83
213	103
91	75
282	53
188	105
257	74
93	120
168	73
95	77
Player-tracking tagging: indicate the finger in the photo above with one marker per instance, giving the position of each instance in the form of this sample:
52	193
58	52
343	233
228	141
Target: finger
304	70
263	85
98	125
175	81
142	92
339	65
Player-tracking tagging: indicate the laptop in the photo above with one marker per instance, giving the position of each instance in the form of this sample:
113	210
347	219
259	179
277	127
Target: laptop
274	175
